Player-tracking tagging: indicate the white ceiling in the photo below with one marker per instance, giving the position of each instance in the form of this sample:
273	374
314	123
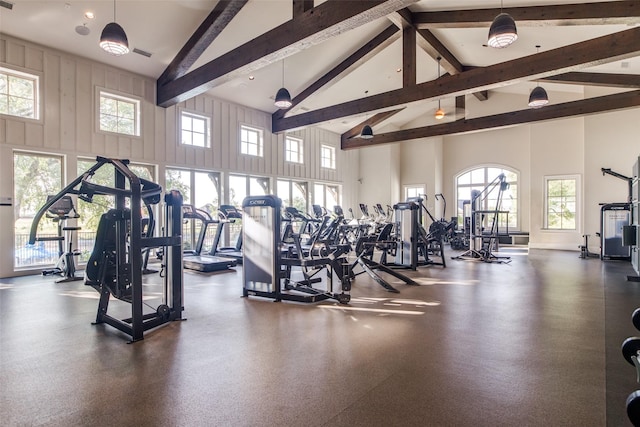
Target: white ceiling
163	27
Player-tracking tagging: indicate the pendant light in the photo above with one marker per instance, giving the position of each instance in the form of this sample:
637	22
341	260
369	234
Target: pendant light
538	97
283	97
113	39
439	115
366	132
503	30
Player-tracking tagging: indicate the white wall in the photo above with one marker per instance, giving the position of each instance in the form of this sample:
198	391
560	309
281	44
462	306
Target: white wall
68	128
557	148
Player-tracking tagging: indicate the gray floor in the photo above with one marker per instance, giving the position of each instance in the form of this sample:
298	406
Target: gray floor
534	342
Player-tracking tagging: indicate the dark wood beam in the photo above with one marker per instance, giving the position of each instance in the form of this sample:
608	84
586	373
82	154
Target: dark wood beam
584	107
614	12
301	6
601	50
321	23
211	27
408	57
373	121
430	44
359	57
629	81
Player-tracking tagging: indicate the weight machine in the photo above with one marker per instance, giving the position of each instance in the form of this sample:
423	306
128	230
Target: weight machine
268	265
414	242
614	217
482	243
116	263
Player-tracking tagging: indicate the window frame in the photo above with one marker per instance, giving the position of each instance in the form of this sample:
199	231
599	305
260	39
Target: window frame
486	181
577	202
293	150
194	115
259	145
421	187
331	159
118	96
38	80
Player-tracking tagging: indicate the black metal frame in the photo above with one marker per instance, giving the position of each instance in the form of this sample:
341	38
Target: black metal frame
129	243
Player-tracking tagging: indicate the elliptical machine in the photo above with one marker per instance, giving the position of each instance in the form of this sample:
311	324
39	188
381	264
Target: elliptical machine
61	211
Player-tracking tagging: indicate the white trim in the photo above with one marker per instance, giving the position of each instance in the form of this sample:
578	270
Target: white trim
578	203
196	114
261	143
114	94
27	74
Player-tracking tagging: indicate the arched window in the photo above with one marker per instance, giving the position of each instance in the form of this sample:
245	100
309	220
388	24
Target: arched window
479	179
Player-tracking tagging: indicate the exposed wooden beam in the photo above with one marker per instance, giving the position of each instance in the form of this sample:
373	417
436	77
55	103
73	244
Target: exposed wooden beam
408	57
609	48
597	79
430	44
359	57
301	6
584	107
375	120
211	27
614	12
321	23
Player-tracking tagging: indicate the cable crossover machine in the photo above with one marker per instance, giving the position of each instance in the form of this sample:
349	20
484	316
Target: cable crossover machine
115	266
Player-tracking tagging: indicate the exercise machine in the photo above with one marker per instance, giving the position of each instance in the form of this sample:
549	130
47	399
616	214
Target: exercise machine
415	244
228	215
115	266
268	268
613	218
194	259
372	256
482	242
60	212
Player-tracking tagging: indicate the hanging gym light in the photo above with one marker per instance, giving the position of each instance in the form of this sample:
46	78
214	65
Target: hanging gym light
113	39
538	97
283	97
503	30
366	132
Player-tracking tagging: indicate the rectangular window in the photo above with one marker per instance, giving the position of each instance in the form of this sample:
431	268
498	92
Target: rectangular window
19	94
35	176
327	157
413	191
293	150
561	201
195	129
251	141
119	114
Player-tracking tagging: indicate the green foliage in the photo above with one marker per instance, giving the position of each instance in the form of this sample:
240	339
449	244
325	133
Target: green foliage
35	177
176	179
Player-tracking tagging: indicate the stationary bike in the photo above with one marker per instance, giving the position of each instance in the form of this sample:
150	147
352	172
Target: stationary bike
60	212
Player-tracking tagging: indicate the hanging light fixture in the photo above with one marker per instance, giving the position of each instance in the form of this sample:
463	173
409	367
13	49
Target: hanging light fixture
113	39
366	132
283	97
538	97
503	30
439	115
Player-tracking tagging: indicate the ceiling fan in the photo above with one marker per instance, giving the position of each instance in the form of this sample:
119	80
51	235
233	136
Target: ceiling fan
446	112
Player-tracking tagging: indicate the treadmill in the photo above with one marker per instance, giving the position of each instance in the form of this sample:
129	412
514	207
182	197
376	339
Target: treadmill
194	259
228	214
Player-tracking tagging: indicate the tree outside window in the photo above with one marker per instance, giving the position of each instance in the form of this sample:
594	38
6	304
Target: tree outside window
561	202
119	114
18	94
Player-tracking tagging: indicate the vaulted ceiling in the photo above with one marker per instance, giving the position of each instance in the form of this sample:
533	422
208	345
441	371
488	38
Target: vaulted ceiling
347	63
